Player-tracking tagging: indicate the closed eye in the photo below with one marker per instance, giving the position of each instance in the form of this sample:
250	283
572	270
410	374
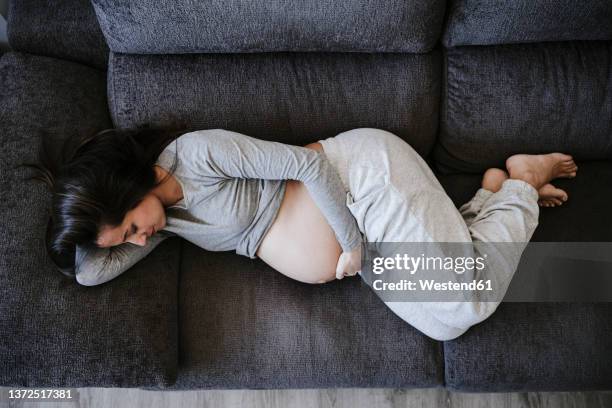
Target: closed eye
132	230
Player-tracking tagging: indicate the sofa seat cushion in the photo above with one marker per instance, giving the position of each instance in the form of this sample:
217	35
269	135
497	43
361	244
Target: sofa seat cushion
53	331
541	346
475	22
527	98
244	325
534	347
177	27
583	218
287	97
68	30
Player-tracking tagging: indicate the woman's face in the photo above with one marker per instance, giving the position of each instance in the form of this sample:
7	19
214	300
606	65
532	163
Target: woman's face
138	224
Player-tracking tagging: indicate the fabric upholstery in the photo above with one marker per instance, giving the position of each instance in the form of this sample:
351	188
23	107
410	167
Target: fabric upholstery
53	331
583	218
288	97
477	22
541	346
534	346
527	98
66	29
178	27
244	325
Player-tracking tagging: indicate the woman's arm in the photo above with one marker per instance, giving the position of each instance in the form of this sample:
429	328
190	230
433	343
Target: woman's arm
226	154
95	265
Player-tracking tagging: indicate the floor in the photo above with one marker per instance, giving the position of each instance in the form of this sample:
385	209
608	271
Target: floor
342	397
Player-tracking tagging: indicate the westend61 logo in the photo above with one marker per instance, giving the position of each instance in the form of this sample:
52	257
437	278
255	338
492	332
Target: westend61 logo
411	264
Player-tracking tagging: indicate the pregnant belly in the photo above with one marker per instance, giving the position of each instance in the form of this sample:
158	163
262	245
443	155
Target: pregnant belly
300	243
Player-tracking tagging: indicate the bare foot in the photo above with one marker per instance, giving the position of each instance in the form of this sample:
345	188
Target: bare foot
493	179
539	169
551	196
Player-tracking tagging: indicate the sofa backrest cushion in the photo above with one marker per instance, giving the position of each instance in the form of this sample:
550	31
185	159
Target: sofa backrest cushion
288	97
525	98
186	26
477	22
65	29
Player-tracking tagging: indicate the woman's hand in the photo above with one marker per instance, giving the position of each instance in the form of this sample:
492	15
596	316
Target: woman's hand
349	263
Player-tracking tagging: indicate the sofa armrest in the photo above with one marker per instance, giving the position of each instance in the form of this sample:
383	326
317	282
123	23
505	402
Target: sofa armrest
53	331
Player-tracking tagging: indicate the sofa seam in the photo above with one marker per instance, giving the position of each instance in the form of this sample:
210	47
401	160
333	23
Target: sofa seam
446	36
443	117
178	309
111	87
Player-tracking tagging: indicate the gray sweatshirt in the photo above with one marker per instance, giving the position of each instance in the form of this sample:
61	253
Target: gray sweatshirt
233	185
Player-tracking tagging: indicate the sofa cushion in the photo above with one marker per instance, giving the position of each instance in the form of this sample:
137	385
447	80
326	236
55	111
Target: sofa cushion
583	218
527	98
541	346
153	27
244	325
288	97
53	331
67	29
476	22
534	347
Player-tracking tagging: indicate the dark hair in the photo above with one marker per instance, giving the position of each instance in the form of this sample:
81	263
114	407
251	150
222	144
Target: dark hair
96	183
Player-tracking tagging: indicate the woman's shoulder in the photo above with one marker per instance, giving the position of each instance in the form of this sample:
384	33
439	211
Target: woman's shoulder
208	133
189	142
200	141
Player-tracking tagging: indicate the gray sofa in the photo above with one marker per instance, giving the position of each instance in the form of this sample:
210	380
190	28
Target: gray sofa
466	83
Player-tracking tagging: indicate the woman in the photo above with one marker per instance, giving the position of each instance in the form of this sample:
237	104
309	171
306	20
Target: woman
223	190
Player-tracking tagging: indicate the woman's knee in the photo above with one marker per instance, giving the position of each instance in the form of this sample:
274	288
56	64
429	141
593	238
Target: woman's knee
446	335
370	134
387	138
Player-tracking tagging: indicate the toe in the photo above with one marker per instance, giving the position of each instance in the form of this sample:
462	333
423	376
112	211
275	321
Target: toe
569	166
564	157
557	201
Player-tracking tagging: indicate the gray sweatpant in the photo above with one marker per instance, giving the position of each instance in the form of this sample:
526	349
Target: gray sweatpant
395	197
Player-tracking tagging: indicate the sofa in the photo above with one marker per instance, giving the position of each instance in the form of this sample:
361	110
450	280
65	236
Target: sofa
465	82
